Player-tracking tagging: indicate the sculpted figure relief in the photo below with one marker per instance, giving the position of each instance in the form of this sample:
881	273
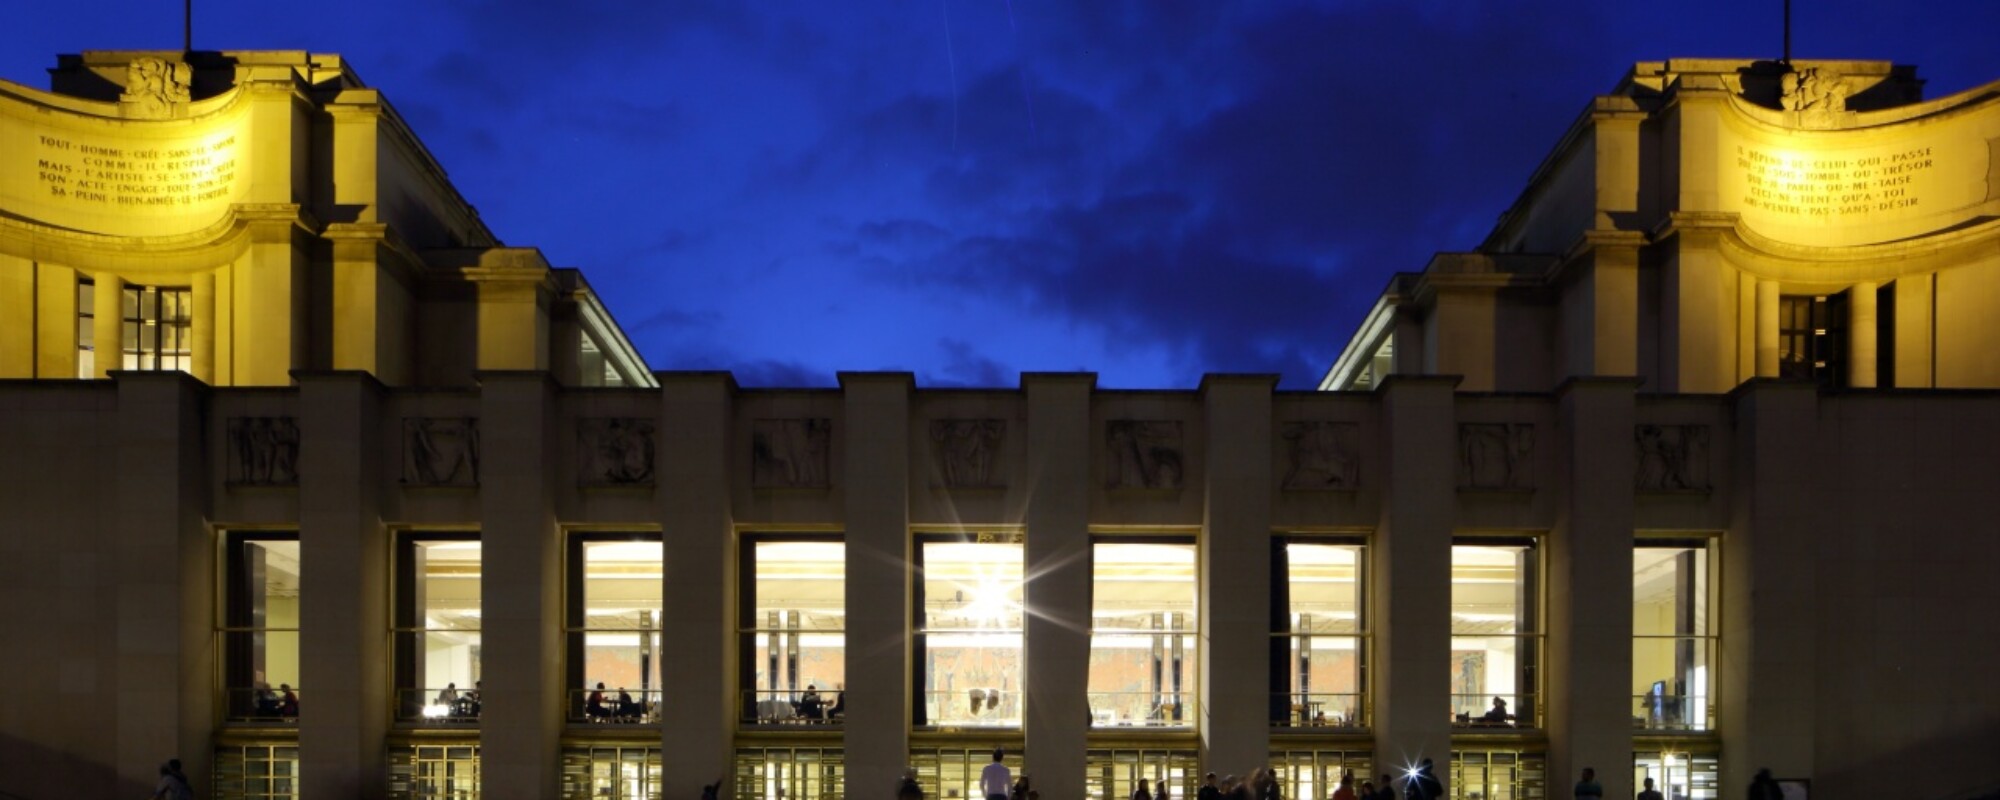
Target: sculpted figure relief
1671	457
790	453
1494	455
264	451
441	451
1143	454
1815	92
1321	455
967	450
614	451
154	85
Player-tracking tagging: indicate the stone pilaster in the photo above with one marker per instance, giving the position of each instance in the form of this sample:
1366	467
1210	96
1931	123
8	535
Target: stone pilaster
344	582
877	469
693	496
165	568
1766	713
1409	568
521	703
1057	595
1861	347
1235	558
1589	634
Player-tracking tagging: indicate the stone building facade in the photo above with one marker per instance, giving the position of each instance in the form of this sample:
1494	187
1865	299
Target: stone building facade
374	508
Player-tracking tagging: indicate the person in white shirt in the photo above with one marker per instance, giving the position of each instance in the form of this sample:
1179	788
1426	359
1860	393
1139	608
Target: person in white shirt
996	779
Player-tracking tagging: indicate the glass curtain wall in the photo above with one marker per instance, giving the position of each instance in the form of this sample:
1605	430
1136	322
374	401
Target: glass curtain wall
789	773
616	587
1673	636
1495	633
1316	773
968	639
1142	639
437	628
1319	658
612	772
260	627
1113	774
792	629
1498	775
1677	775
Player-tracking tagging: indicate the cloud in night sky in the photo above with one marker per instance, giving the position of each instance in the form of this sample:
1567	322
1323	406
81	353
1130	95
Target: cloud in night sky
971	188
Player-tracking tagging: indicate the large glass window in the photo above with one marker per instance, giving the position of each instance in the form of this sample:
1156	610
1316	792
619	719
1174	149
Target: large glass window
1114	774
156	329
953	772
260	627
1673	638
969	640
434	771
1495	633
260	771
792	626
1318	655
1498	775
1812	338
789	773
1142	638
615	600
1677	775
437	628
612	772
1309	774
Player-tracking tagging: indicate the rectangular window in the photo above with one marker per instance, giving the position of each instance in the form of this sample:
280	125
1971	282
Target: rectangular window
1319	656
1681	776
1317	773
1673	636
1497	775
156	334
1142	638
434	772
953	772
86	328
1812	338
262	771
790	773
1115	774
1496	644
616	595
437	628
613	772
968	640
260	627
792	629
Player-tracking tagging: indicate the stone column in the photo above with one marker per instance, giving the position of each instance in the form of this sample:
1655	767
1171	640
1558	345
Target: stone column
876	467
55	321
17	326
1747	328
271	315
344	587
201	361
164	667
1861	319
1915	328
1235	564
1769	602
1589	634
520	594
1409	574
107	324
1057	561
1767	328
695	470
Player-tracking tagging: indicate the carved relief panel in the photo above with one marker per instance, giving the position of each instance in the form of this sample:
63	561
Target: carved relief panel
790	453
1143	454
967	451
1321	455
441	451
614	451
264	451
1495	455
1671	457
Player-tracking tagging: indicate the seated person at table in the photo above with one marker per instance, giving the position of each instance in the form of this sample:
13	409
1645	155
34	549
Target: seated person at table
810	706
448	696
288	703
628	709
1497	715
593	707
267	700
839	708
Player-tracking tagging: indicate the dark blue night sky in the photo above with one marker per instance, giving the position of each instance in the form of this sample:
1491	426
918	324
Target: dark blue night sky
972	188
